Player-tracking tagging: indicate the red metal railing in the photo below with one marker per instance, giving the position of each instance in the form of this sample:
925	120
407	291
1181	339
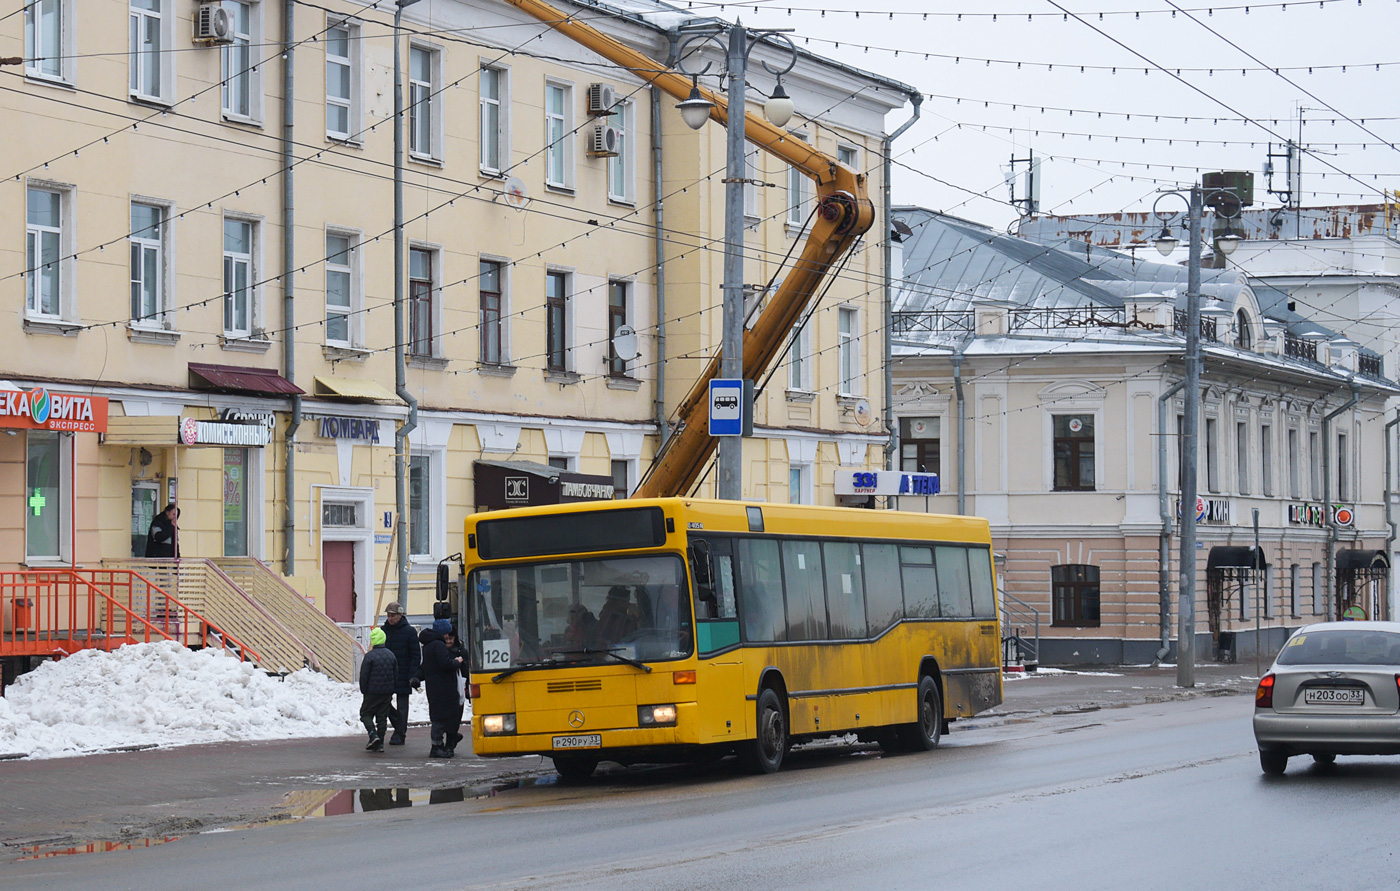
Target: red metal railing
60	611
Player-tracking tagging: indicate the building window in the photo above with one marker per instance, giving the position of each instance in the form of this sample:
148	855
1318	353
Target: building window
558	136
622	166
343	81
238	277
848	155
847	351
617	317
919	445
236	511
620	479
44	262
1293	577
1294	483
151	36
798	198
800	358
420	525
493	120
422	300
1266	459
1319	605
1315	465
556	299
1244	336
342	272
242	80
1074	453
800	484
45	38
1075	594
1212	457
491	324
148	237
1343	478
751	173
424	84
1242	456
45	503
559	462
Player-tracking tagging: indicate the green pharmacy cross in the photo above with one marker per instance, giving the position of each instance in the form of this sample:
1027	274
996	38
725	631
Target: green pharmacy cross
37	501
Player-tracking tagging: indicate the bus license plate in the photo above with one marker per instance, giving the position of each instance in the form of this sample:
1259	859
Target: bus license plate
582	741
1343	696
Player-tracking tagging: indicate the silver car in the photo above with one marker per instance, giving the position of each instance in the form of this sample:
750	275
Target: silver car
1333	690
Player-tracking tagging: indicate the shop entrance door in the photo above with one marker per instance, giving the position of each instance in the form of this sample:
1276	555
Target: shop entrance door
144	498
235	502
338	571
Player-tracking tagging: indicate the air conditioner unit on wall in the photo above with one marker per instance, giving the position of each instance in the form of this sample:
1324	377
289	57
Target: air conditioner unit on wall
601	99
212	23
604	141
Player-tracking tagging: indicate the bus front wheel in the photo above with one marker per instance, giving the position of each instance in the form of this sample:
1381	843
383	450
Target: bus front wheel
764	753
925	733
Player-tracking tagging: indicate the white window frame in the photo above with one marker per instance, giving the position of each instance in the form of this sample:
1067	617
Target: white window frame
254	261
622	169
848	155
752	173
163	17
353	269
163	244
1344	492
1242	457
559	136
67	265
500	139
800	358
799	195
848	373
1295	452
425	97
1266	460
36	37
65	489
438	256
567	275
1293	576
436	507
354	103
806	493
1315	468
250	74
505	279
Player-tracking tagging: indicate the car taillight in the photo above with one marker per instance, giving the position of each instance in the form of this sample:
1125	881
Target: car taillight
473	691
1264	696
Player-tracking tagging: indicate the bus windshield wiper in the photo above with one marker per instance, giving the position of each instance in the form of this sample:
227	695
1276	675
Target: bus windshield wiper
541	663
608	651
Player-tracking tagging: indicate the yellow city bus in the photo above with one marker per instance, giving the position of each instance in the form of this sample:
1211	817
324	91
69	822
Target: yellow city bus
666	630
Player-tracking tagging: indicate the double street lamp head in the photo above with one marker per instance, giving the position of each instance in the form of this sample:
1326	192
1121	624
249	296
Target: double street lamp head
696	109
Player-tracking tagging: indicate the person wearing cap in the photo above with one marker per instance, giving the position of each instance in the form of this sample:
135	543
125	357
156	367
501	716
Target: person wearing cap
444	663
379	676
401	639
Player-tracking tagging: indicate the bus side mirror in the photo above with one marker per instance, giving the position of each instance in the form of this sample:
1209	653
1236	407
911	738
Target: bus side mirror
444	581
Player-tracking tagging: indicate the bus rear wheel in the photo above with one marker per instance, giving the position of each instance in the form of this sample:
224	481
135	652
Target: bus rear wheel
925	733
764	753
574	768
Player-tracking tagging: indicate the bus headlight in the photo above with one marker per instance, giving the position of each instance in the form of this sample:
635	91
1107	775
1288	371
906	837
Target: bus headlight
497	725
656	715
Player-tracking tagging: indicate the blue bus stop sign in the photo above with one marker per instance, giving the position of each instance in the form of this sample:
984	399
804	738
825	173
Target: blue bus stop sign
726	407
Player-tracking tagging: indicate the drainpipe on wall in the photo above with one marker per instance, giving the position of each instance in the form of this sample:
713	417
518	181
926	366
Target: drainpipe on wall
1164	576
1389	518
400	376
289	475
892	446
659	245
1327	493
962	429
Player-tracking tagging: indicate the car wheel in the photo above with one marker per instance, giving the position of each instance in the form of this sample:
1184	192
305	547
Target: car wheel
574	768
764	753
925	733
1325	757
1273	761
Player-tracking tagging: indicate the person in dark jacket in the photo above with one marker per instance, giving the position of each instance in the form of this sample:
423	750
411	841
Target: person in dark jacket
444	662
160	538
379	676
402	641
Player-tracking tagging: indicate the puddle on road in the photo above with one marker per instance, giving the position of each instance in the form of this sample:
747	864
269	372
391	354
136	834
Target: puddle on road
43	852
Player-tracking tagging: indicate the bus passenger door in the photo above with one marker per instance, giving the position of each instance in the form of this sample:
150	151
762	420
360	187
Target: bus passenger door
720	679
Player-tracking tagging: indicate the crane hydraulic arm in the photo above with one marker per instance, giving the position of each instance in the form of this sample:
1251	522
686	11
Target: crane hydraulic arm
843	213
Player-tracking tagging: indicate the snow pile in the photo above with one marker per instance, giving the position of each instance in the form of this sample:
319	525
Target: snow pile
166	695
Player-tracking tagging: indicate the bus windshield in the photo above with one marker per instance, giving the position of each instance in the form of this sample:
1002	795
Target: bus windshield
603	610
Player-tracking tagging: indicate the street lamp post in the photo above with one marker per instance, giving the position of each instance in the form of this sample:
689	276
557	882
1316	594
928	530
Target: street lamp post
696	110
1186	612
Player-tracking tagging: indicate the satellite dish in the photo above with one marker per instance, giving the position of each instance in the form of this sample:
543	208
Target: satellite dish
624	343
515	194
901	229
863	414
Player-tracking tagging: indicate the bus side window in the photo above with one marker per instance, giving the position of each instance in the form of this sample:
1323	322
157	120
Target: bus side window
884	599
806	598
845	591
761	607
984	600
954	585
920	582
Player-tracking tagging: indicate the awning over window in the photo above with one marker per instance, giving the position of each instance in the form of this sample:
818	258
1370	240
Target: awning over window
360	391
241	379
1355	559
502	484
1229	557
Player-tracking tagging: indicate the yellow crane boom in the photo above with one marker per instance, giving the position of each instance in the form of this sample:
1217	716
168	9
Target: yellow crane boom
843	213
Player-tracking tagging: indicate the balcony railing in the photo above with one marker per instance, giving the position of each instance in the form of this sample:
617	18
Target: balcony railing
1295	347
1370	366
1067	317
932	322
1179	325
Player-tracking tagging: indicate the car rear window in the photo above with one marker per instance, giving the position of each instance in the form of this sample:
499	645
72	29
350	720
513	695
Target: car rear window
1341	647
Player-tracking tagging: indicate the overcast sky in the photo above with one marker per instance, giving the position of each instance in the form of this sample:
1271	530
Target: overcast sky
1095	158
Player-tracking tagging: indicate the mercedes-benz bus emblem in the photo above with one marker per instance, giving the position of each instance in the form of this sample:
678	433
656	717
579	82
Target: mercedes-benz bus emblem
575	719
